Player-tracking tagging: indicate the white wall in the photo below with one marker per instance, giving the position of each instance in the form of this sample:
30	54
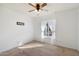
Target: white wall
78	30
37	26
66	29
11	35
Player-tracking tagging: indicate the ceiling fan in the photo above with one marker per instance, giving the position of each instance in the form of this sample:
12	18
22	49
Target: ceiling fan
38	6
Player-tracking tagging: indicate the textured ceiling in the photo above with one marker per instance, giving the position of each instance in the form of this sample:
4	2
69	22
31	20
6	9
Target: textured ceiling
24	7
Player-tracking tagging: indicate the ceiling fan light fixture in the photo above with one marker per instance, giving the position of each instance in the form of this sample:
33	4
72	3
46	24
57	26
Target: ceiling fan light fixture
38	6
38	12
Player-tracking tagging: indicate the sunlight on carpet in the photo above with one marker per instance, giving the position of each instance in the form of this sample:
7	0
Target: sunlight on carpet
31	46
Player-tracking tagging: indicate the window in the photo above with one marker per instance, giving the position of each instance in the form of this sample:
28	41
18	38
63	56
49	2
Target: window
48	29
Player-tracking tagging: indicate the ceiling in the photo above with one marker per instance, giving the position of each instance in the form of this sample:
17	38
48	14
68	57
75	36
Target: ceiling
24	7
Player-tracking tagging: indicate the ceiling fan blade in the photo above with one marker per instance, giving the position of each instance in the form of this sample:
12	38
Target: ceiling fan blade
31	5
31	10
43	5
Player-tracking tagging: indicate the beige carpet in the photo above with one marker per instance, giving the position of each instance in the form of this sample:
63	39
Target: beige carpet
40	49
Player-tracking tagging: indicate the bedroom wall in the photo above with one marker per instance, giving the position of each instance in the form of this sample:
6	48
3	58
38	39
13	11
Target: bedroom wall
67	28
78	30
12	35
37	26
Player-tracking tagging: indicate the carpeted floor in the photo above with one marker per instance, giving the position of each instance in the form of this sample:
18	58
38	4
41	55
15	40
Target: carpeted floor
40	49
